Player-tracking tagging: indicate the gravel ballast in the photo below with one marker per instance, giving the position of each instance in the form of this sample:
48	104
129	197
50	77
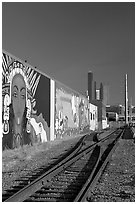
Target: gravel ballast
117	183
20	162
24	160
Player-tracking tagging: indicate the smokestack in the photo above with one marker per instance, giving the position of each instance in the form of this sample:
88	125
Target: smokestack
95	90
130	110
101	91
126	101
90	82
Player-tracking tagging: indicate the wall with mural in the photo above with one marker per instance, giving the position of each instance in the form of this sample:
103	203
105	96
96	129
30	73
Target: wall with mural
36	108
25	104
71	111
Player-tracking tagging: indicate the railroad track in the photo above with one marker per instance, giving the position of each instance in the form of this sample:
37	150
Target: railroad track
69	179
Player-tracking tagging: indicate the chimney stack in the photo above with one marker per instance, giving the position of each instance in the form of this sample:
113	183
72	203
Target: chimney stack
95	97
101	91
90	85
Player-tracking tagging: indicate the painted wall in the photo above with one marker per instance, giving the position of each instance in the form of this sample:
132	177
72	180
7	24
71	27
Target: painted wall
25	104
71	111
36	108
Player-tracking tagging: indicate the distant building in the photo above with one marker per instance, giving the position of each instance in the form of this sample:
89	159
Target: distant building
119	109
112	116
98	98
131	113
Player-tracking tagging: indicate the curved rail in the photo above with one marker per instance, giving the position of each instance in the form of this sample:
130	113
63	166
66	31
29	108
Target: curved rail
92	180
46	170
44	180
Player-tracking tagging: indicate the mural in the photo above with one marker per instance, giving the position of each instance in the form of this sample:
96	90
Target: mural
71	112
36	108
24	118
83	114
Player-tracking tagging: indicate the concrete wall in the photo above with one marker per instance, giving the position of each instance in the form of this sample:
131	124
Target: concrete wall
93	117
105	124
101	113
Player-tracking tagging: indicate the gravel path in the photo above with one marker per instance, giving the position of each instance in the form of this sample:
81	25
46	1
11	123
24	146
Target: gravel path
117	183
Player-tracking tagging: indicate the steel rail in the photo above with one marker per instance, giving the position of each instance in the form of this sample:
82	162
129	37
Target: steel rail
102	140
95	175
45	178
18	197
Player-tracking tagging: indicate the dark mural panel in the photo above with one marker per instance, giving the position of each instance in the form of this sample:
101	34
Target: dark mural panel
43	97
25	104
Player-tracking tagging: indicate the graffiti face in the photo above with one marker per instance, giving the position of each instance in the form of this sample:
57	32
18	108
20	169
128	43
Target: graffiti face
18	90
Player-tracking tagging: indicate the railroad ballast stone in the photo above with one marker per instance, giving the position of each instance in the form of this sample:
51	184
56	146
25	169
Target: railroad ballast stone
18	165
117	183
20	162
24	160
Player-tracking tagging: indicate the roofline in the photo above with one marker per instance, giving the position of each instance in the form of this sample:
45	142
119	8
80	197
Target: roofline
42	73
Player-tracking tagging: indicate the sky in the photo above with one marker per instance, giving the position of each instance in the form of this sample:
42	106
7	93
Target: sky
65	40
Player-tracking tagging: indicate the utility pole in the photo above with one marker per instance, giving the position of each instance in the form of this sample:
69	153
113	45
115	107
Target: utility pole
126	101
